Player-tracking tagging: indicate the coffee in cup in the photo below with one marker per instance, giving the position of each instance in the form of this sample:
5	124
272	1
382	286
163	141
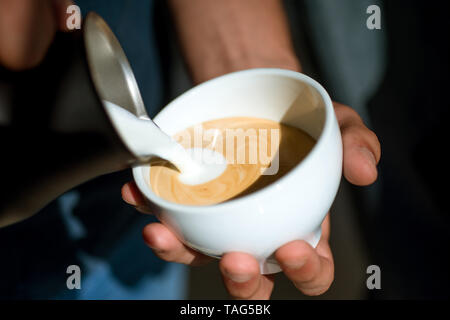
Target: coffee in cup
256	153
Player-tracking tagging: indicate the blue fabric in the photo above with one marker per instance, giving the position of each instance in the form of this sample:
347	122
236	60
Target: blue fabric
91	226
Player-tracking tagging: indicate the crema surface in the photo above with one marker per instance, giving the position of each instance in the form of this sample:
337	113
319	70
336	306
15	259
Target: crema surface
257	152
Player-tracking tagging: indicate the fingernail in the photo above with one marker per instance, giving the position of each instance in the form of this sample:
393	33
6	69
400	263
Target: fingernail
129	202
155	250
294	264
369	155
239	278
143	209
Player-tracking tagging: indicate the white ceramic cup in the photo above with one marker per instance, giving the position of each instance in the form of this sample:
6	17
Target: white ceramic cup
291	208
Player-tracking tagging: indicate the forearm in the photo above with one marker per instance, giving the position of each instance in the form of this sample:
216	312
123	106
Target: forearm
219	37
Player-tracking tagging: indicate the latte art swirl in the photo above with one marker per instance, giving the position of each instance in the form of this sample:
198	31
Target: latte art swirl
257	152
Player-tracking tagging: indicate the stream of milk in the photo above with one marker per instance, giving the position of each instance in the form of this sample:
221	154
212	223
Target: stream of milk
145	138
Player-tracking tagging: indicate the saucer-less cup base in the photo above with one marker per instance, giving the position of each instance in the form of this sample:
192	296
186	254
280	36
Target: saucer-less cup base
291	208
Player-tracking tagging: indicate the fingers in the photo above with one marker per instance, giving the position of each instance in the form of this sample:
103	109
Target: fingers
240	271
242	279
167	247
362	149
132	196
27	28
158	237
310	272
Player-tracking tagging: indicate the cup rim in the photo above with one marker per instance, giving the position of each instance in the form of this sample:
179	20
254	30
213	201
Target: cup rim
202	209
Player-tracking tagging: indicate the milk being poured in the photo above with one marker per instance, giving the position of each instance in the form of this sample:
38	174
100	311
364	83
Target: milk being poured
144	138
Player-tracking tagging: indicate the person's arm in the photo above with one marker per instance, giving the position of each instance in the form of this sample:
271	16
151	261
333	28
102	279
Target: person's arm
219	37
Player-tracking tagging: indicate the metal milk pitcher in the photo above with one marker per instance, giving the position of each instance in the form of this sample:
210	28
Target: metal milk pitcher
54	129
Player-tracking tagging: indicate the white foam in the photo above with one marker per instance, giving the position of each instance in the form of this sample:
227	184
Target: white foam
145	139
211	165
